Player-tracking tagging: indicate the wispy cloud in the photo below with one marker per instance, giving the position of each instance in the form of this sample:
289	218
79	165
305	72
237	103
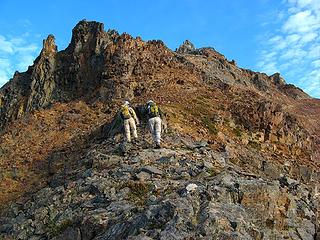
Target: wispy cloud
301	22
16	53
293	47
5	70
5	45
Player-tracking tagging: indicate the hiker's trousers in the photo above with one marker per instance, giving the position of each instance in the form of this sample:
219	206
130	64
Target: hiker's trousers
155	128
130	125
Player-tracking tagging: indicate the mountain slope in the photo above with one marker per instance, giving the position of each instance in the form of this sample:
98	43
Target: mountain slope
58	113
184	191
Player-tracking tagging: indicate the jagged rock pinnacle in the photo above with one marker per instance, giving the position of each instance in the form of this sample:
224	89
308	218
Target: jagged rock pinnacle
83	32
186	47
49	46
277	79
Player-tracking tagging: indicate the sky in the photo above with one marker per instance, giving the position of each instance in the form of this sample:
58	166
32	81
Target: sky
262	35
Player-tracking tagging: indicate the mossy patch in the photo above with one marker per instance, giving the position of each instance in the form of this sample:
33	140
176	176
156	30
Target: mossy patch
139	191
254	145
210	125
237	131
56	228
213	172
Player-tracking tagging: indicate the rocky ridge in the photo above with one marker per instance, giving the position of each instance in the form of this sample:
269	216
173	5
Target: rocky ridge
183	191
241	159
106	65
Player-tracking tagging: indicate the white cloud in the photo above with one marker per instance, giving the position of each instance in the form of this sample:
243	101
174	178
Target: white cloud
314	83
293	48
3	78
5	46
309	37
4	63
27	48
293	54
269	56
16	53
314	52
316	63
5	66
5	69
17	41
312	4
25	61
293	38
276	39
268	67
301	22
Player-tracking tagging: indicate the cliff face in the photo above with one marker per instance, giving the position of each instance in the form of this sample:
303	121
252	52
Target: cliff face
96	65
249	142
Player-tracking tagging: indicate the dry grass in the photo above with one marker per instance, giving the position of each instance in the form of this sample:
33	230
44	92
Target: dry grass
28	142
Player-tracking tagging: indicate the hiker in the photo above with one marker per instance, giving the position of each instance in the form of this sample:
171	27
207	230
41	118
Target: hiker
155	115
129	121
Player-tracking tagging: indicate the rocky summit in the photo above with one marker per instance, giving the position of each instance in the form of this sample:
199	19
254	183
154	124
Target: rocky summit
240	157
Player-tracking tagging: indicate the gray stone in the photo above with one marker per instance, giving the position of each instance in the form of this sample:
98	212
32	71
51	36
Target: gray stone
185	175
142	176
201	144
167	160
304	235
41	213
272	171
135	159
69	234
152	200
152	170
22	235
35	238
207	165
305	173
141	236
106	161
87	173
6	228
191	187
308	226
293	234
220	159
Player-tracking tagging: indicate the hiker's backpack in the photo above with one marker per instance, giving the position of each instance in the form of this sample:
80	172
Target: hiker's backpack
153	110
125	112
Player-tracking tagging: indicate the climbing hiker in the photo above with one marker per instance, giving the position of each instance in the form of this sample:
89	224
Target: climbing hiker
129	121
154	115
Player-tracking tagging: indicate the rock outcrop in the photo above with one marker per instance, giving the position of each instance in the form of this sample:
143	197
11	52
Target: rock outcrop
186	47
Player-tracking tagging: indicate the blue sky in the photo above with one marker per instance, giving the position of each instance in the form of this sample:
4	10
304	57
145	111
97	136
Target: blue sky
262	35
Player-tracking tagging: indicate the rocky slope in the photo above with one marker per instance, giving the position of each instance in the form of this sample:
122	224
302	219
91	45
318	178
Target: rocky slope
183	191
240	161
